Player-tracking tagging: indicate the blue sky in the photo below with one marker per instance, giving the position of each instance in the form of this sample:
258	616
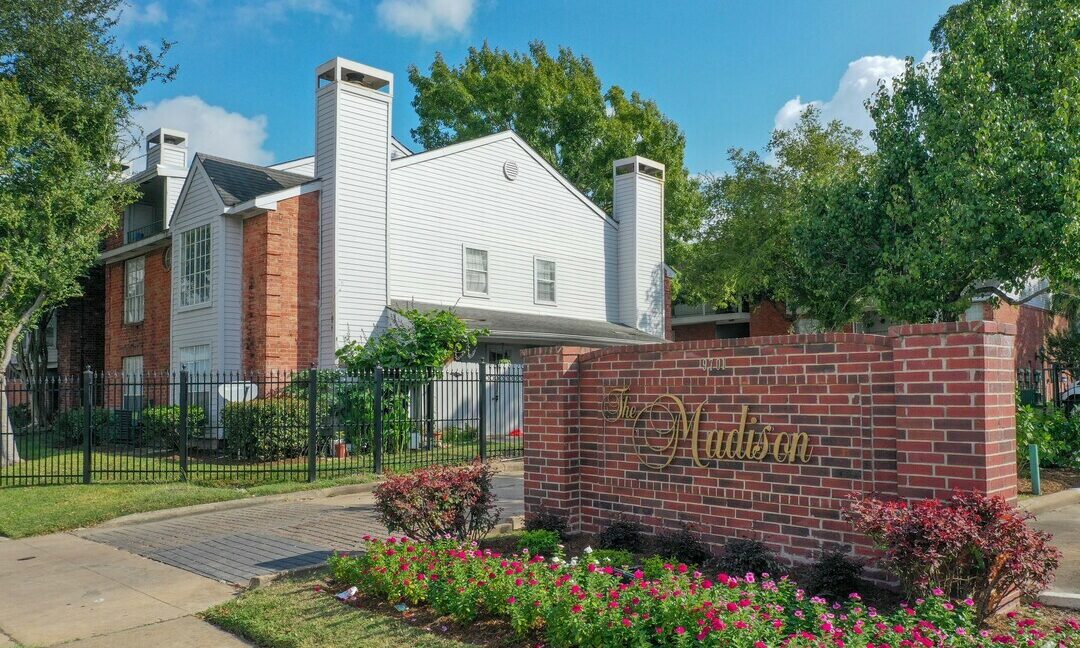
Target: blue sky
728	72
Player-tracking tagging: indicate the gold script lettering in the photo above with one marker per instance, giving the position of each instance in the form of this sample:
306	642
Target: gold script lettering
665	421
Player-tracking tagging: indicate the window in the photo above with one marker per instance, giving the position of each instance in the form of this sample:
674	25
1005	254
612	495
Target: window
132	371
544	271
195	266
134	289
196	359
476	272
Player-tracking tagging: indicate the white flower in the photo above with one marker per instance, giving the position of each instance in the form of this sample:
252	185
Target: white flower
556	560
587	550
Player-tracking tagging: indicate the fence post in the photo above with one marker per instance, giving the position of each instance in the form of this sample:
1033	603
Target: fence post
88	422
184	415
483	411
430	407
1033	458
378	410
312	420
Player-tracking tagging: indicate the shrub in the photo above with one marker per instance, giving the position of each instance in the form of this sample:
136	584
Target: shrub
540	543
580	603
834	576
622	534
613	557
657	567
684	546
743	556
69	426
266	429
431	503
971	546
1057	436
547	521
161	425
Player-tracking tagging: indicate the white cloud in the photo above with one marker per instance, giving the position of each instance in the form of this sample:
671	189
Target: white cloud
859	82
266	12
428	19
211	129
132	13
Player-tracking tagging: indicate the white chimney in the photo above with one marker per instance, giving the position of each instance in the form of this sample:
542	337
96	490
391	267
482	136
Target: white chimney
166	147
639	210
353	105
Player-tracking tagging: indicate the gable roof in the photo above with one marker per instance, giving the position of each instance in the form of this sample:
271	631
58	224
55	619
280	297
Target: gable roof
459	147
238	182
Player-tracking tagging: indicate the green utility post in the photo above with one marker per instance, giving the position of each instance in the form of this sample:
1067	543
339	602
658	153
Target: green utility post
1036	482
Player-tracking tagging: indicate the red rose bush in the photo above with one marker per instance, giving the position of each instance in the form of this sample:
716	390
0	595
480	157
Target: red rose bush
430	503
583	602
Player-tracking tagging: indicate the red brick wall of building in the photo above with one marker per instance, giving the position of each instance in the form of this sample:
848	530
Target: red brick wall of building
149	338
280	286
914	414
1032	326
769	318
699	331
80	328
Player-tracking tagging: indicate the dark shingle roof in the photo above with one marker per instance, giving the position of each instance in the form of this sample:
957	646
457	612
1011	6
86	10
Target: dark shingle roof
238	182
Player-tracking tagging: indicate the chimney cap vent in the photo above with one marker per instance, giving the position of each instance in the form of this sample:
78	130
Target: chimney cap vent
353	73
638	164
166	136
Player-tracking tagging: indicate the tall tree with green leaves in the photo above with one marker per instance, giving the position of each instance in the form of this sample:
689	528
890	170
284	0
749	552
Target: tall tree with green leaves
67	91
745	248
978	159
560	107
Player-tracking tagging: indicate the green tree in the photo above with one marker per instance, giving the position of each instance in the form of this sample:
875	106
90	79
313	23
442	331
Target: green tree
423	340
559	106
66	93
978	159
745	250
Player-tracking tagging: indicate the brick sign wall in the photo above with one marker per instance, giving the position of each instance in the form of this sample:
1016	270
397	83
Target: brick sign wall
767	437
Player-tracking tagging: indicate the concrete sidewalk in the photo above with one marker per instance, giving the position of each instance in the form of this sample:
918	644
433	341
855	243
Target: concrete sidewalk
61	588
1064	523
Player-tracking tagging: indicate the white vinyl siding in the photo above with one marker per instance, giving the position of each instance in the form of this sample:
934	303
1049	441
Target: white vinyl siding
441	204
544	270
203	324
132	372
134	289
475	272
195	267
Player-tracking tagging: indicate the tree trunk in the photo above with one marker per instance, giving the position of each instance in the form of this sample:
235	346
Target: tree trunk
9	451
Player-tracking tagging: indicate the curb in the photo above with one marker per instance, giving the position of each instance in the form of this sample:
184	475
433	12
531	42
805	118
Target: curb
1053	501
1060	599
506	467
514	523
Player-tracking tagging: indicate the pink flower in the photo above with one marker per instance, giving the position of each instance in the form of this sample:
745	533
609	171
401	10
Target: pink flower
680	630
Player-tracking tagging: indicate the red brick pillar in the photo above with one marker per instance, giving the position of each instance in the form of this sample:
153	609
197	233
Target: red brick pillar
550	434
955	408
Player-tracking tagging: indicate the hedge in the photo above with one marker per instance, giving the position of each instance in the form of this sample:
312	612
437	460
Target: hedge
266	429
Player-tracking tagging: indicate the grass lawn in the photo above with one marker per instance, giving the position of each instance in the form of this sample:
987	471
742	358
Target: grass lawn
33	510
291	614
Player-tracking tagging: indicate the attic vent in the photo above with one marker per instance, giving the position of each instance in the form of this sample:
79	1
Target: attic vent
510	170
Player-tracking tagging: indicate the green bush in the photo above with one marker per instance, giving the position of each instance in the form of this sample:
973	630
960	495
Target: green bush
613	557
161	425
548	521
684	546
467	434
743	555
656	567
1057	436
540	543
834	576
266	429
69	426
622	534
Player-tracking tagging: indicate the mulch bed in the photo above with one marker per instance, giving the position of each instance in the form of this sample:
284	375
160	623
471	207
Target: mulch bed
1054	480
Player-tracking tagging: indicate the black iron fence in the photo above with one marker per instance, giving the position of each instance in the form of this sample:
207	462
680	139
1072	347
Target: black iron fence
243	429
1044	384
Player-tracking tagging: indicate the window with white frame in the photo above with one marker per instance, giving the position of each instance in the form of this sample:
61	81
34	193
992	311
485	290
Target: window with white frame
134	289
544	276
132	371
195	266
476	272
196	360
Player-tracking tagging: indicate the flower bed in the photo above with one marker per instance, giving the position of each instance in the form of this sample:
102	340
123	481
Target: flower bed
584	603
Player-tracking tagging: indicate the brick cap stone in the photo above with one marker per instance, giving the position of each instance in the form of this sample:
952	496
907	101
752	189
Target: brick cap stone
872	341
940	328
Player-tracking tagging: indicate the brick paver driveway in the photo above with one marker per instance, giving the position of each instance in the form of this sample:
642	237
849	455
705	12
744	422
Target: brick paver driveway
235	545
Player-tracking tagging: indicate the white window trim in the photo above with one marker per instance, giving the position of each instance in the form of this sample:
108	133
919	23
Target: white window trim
200	382
142	293
536	282
465	272
179	272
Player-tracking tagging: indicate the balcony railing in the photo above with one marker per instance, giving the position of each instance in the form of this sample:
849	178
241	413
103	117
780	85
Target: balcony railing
146	231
